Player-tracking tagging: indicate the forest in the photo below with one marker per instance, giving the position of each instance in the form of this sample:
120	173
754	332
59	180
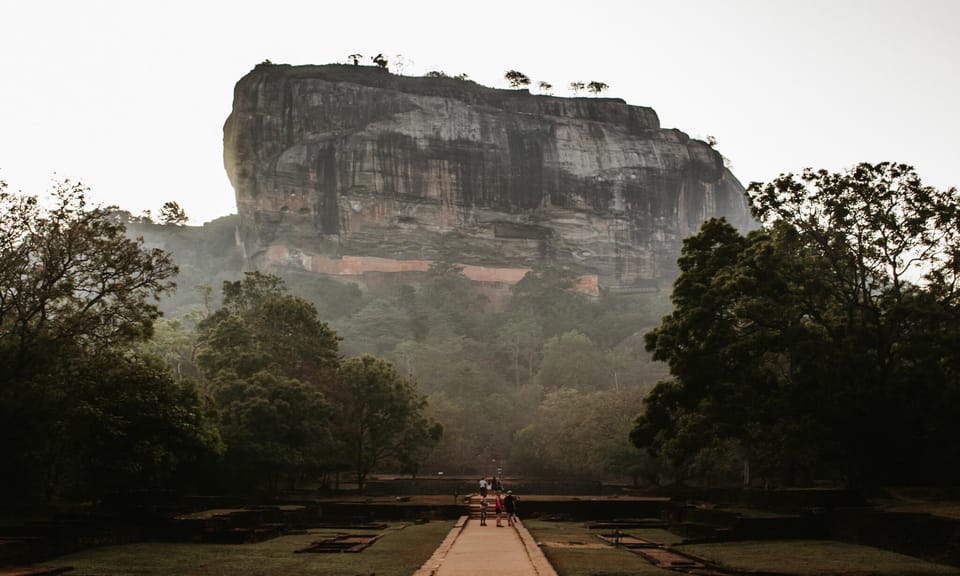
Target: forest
823	347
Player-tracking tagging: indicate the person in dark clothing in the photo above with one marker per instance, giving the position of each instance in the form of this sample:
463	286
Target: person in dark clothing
510	507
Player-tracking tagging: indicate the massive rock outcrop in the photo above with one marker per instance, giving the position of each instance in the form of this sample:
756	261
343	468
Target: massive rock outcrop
351	170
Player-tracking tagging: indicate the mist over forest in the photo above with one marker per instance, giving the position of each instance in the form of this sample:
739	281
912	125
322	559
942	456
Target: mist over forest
820	348
546	384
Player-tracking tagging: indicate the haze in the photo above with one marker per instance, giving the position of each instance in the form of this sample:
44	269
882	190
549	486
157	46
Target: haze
131	97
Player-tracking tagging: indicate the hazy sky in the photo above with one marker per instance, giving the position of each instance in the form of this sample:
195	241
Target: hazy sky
130	96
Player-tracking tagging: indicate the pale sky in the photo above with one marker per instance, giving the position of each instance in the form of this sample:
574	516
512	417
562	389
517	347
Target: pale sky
130	96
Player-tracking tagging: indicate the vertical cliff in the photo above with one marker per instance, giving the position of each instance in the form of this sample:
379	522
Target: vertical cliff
350	169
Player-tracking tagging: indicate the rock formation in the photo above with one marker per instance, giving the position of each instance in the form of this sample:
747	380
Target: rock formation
348	170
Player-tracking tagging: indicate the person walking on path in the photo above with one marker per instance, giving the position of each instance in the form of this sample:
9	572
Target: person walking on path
483	510
510	507
498	508
483	487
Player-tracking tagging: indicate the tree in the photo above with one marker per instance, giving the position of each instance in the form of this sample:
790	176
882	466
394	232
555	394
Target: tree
579	434
545	87
571	360
384	416
275	428
576	86
131	428
355	58
727	344
172	214
270	366
596	88
798	344
883	240
547	294
380	61
522	336
262	327
400	63
516	79
71	280
877	225
76	296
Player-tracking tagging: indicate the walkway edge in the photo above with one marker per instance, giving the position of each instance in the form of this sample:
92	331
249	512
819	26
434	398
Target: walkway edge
431	566
534	552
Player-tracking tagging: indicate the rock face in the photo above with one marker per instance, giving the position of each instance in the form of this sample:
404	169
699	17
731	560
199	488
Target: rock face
349	170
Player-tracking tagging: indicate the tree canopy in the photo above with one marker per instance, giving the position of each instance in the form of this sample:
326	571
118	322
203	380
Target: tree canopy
596	87
81	412
270	365
516	79
383	416
800	342
172	214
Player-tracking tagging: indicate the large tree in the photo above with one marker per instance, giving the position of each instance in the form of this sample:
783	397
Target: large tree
76	297
883	242
799	342
69	275
733	342
384	417
270	365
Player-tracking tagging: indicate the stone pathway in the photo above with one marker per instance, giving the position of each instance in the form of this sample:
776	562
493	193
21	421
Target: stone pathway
474	550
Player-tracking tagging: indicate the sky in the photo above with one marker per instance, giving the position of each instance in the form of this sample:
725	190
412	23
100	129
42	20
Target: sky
129	97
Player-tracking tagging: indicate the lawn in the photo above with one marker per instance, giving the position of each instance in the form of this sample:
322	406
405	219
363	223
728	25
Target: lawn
575	550
401	550
816	557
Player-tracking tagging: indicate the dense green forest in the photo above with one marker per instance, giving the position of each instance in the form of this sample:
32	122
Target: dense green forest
548	385
823	347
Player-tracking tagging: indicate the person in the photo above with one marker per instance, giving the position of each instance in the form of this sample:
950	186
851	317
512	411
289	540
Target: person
483	510
498	508
510	507
483	487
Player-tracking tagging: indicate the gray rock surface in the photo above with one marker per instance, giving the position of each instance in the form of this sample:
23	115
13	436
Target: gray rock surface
333	162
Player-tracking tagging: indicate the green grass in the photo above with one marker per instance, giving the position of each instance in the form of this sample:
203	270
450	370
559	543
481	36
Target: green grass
570	547
400	552
566	546
815	558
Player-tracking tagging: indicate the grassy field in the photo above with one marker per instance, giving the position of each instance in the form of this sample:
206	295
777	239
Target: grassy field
575	550
572	548
400	552
816	557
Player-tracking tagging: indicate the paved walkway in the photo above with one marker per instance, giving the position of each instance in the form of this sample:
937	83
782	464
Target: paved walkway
474	550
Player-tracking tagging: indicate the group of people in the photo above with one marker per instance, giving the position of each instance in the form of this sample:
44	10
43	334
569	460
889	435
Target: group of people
501	504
